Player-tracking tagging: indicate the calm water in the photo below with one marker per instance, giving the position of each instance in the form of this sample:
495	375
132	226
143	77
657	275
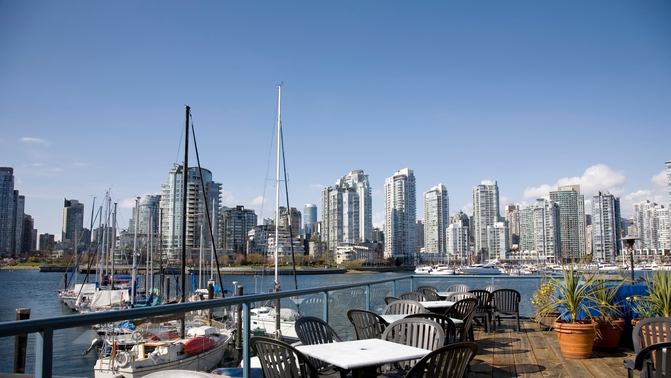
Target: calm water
37	291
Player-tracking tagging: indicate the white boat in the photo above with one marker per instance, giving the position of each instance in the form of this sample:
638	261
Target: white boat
442	269
482	269
423	269
201	349
263	319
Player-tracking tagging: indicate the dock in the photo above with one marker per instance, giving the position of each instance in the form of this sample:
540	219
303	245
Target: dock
536	354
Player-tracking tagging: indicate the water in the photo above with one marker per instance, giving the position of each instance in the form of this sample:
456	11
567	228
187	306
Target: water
37	291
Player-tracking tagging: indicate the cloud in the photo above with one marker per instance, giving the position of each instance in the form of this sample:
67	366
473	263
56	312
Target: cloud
378	219
31	141
658	194
468	208
595	178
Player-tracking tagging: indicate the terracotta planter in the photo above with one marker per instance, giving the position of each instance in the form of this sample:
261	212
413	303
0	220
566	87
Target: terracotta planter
608	333
576	340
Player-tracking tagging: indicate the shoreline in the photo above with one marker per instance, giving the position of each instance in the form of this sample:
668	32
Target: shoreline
19	267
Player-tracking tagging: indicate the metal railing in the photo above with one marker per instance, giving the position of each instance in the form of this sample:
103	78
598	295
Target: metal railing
44	328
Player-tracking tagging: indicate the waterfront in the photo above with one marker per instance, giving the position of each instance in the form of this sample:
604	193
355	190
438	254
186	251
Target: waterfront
35	290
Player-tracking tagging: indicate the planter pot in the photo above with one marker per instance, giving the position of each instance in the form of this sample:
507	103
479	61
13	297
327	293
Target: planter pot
546	322
608	333
576	340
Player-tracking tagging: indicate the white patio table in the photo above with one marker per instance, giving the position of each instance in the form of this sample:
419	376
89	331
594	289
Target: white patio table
362	356
394	317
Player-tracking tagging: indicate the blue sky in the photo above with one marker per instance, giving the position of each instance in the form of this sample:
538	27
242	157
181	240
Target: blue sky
531	94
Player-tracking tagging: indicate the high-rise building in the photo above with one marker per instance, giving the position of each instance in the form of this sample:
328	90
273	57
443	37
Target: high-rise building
309	219
606	233
46	242
293	218
235	225
400	207
650	226
347	211
197	197
485	213
498	243
19	207
436	219
73	223
572	237
419	235
513	219
6	211
539	231
458	242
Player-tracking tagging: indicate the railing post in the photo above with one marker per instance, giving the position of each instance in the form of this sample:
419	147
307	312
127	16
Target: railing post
393	288
246	323
44	351
326	306
238	344
21	343
367	297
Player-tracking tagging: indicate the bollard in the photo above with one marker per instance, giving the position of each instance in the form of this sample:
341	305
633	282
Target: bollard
238	338
21	343
210	295
167	290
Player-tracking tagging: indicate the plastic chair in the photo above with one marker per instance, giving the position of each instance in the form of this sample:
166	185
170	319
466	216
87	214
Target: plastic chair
312	330
367	324
492	288
403	306
412	295
464	310
421	288
280	360
461	288
459	296
483	309
388	299
648	332
506	302
450	361
449	329
430	293
653	361
420	333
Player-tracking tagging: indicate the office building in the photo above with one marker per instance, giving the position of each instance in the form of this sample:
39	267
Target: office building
400	207
309	219
73	224
436	219
485	213
347	211
6	211
512	213
606	238
572	238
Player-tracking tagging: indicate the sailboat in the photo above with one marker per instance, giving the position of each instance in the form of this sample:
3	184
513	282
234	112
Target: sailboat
276	321
167	346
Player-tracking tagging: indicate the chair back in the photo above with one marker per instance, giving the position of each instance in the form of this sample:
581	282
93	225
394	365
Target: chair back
449	329
279	359
459	296
651	331
412	295
431	295
653	361
311	330
449	361
465	310
421	288
420	333
491	288
484	299
388	299
403	306
461	288
367	324
506	301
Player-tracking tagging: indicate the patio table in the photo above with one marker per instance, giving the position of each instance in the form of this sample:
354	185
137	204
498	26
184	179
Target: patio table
445	294
362	356
394	317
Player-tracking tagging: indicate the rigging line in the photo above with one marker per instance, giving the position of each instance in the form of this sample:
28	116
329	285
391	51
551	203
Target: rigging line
270	154
286	188
207	206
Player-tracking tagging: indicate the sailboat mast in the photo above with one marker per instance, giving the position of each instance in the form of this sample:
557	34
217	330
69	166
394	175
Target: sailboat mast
134	275
277	180
185	187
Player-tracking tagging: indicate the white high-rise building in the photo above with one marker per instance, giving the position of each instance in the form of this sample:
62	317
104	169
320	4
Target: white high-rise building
457	239
606	233
650	225
400	208
539	230
347	211
485	213
498	242
196	214
436	219
572	236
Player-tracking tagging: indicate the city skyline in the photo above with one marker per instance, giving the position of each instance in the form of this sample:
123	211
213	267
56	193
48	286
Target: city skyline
533	96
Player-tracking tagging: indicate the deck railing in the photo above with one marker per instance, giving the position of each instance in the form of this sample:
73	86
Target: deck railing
44	328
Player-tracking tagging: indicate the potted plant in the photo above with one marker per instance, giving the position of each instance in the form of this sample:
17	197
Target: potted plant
572	297
658	300
609	321
540	299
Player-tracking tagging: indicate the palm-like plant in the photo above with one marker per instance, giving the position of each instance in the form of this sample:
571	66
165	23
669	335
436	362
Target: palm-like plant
659	293
604	294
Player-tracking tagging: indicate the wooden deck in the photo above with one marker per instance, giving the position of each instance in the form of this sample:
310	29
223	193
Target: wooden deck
535	353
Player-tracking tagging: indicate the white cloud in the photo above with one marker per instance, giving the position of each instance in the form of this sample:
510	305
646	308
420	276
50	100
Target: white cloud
595	178
31	141
468	208
658	194
378	219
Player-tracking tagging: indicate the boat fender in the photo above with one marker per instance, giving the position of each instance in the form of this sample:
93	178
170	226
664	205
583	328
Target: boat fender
122	359
136	336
